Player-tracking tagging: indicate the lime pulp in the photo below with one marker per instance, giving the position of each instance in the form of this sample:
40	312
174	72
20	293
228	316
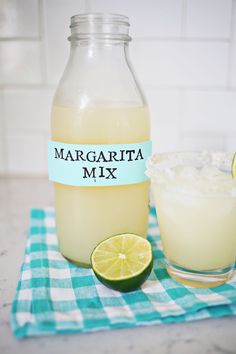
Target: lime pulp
123	262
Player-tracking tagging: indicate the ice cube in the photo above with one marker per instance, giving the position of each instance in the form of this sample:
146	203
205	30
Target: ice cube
211	172
187	172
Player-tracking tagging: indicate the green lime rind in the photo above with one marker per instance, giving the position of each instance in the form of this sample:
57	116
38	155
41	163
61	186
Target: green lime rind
233	166
107	253
128	284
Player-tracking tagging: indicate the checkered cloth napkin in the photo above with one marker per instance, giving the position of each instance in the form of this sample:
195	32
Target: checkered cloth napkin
54	296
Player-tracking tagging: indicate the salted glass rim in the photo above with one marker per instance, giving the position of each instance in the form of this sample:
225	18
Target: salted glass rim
162	169
195	158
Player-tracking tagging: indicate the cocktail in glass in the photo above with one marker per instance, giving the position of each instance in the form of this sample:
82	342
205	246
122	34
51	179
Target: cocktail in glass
195	197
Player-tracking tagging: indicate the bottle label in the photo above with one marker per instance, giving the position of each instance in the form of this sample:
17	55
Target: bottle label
98	165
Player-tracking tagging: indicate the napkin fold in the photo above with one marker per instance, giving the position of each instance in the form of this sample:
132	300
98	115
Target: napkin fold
55	296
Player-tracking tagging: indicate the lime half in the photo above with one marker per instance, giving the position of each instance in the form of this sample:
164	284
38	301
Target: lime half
123	262
233	168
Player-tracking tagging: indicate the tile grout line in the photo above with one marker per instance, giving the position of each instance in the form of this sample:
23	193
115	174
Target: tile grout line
20	39
184	19
181	113
87	6
46	138
180	39
135	38
4	138
153	87
231	44
43	51
222	89
27	86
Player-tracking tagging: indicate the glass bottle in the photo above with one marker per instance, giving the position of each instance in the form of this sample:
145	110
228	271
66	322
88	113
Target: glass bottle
100	134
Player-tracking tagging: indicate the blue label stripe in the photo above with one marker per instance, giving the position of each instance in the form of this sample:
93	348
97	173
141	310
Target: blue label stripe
98	165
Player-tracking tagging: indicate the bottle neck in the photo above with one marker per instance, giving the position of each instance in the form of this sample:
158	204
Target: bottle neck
99	71
100	37
112	52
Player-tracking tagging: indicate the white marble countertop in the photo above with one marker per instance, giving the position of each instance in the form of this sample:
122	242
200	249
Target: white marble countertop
17	196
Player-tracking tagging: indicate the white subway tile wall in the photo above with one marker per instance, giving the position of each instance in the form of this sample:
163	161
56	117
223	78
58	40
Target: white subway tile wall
208	18
56	19
181	64
232	63
2	140
208	111
19	19
184	52
149	18
31	107
26	154
20	62
165	112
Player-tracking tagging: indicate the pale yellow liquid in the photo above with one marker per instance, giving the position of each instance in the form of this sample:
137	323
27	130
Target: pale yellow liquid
198	232
87	215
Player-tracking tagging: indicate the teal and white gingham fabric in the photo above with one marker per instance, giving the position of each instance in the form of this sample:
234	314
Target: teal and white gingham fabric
54	296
